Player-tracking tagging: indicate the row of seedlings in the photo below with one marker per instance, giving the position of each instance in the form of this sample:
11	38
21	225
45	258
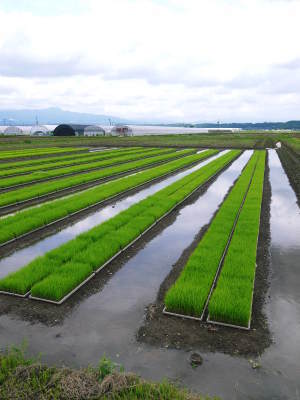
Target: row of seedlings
231	301
45	160
29	166
188	297
37	152
38	190
23	222
56	275
43	175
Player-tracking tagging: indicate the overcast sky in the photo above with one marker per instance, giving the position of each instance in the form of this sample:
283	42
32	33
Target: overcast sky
161	60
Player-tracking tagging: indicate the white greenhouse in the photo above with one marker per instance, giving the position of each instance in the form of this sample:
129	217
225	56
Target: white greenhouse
13	130
39	130
94	130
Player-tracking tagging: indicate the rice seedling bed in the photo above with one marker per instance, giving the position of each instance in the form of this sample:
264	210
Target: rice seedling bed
43	189
63	161
190	293
31	220
60	271
13	154
231	301
43	175
60	157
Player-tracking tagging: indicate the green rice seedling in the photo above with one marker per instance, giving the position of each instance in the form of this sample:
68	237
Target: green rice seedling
39	162
43	188
58	285
231	301
60	172
33	152
65	161
189	293
33	218
105	240
95	252
32	273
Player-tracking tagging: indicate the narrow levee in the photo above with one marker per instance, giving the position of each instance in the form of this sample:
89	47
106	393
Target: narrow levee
24	256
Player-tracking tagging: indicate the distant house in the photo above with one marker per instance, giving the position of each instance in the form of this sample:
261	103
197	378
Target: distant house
94	130
121	130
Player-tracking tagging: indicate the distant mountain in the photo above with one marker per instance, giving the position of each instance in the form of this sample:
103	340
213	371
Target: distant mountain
54	116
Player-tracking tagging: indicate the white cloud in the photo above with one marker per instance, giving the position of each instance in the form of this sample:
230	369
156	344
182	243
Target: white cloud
142	59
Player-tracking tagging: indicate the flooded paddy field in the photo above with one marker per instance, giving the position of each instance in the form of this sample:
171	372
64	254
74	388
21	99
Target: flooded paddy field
119	312
90	217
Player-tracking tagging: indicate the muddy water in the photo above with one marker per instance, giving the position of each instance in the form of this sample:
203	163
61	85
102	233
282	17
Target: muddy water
108	320
24	256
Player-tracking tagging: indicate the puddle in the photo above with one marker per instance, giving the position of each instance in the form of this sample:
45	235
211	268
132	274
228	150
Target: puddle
21	257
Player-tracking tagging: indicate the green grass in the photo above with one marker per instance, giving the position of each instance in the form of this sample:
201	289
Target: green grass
293	143
27	378
28	166
243	139
42	188
60	172
28	220
231	300
93	248
189	293
36	152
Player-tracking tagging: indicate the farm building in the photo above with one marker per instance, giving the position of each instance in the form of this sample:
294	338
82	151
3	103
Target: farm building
94	130
121	130
69	130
